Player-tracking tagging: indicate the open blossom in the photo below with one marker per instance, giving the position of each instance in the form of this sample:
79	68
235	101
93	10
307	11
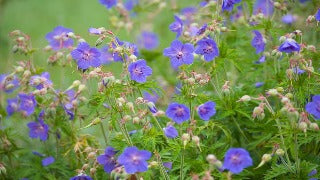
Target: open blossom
12	106
86	56
148	40
134	160
179	53
227	5
170	131
68	103
289	45
208	48
207	110
236	159
317	16
94	31
132	48
39	129
313	107
139	71
258	42
47	161
27	103
263	6
108	159
178	112
42	81
108	3
151	97
177	26
8	83
288	19
262	59
59	39
81	177
106	56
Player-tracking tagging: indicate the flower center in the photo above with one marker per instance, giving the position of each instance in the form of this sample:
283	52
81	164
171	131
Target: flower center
208	50
138	71
179	55
235	159
86	56
179	111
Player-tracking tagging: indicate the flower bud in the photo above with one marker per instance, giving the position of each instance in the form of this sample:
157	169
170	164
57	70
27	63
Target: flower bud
303	126
93	171
152	107
272	92
280	152
81	87
245	98
282	39
265	158
130	106
211	158
153	163
285	100
76	83
224	29
19	69
277	4
280	89
289	95
133	58
121	101
26	73
196	140
127	118
185	138
96	121
92	155
191	81
85	166
136	120
314	126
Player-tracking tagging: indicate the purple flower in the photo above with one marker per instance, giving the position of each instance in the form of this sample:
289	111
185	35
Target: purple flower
58	38
94	31
170	131
313	107
108	159
132	48
168	165
179	53
139	71
151	97
38	129
206	110
81	177
317	16
134	160
202	29
262	59
148	40
227	5
106	56
188	13
236	159
37	154
289	45
263	6
130	4
288	19
68	103
13	106
86	56
47	161
208	48
108	3
8	83
42	81
313	172
259	84
27	103
178	112
152	107
176	26
258	42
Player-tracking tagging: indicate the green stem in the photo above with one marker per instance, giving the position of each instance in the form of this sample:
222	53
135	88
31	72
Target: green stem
104	134
181	164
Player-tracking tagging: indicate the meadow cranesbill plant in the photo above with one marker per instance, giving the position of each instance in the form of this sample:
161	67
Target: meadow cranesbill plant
149	89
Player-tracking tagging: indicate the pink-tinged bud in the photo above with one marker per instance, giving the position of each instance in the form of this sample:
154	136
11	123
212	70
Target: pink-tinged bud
285	100
191	81
93	171
185	138
159	113
265	158
85	166
139	100
130	106
26	74
272	92
311	48
136	120
196	140
314	126
92	155
127	118
198	77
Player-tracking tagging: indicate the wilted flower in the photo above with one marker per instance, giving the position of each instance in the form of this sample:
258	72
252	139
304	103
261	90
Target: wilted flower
177	26
179	53
208	48
86	56
134	160
178	112
207	110
236	159
313	107
59	38
170	131
47	161
139	71
108	159
289	45
258	42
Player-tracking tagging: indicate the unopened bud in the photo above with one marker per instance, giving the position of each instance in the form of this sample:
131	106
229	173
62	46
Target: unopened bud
93	171
136	120
191	81
277	4
76	83
314	126
19	69
272	92
224	29
127	118
280	152
185	138
196	140
85	166
303	126
211	159
265	158
92	155
26	73
245	98
81	87
133	58
96	121
153	163
285	100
